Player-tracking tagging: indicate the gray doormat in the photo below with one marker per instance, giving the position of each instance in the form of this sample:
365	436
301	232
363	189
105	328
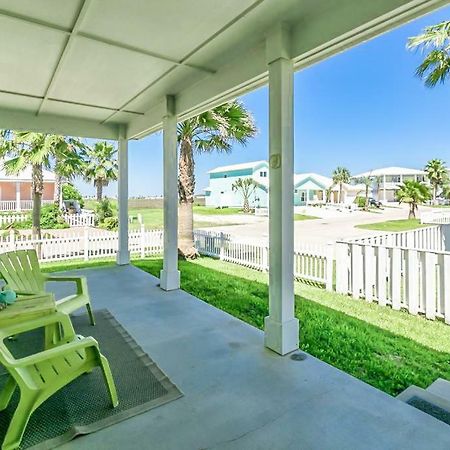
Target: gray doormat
433	410
84	406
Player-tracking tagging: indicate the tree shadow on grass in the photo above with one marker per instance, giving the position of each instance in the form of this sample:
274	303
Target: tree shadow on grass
379	357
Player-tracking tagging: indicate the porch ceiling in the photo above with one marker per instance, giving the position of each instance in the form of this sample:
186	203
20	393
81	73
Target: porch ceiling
86	67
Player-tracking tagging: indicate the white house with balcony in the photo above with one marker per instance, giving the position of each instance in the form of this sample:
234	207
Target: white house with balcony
386	180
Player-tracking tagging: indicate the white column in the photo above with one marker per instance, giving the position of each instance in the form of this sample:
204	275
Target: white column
170	275
281	327
18	200
384	188
123	255
307	197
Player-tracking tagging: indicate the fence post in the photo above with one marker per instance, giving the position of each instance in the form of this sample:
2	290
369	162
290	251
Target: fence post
86	243
329	266
265	258
12	240
342	266
142	240
222	247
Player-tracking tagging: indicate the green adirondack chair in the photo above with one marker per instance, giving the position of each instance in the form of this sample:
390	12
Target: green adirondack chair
20	269
41	375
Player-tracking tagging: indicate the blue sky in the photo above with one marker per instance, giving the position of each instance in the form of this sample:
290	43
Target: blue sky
362	109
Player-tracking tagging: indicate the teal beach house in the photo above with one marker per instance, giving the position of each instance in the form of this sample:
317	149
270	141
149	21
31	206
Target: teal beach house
309	188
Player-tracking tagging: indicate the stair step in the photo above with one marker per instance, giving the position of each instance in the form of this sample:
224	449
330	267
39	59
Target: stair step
432	404
441	388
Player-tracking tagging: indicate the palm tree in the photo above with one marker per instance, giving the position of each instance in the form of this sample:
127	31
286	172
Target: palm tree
437	174
367	181
246	186
22	149
69	162
436	40
214	130
340	176
414	193
102	166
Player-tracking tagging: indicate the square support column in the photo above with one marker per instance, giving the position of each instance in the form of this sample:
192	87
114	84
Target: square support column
123	254
18	199
281	327
170	275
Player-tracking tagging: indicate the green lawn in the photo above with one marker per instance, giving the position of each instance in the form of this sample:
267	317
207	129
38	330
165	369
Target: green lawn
393	225
387	349
304	217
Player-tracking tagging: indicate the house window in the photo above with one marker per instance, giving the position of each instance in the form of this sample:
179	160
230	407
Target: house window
263	174
225	176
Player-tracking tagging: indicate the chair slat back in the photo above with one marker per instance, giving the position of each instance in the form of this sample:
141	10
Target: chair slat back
21	271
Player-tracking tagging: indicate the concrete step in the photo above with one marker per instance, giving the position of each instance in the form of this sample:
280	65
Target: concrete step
441	388
432	404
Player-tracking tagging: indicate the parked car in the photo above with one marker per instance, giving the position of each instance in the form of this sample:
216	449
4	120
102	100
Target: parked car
375	203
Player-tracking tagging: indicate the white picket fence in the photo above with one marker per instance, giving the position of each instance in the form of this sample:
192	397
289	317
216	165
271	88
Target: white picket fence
87	245
427	238
80	220
414	279
6	219
311	262
435	217
73	220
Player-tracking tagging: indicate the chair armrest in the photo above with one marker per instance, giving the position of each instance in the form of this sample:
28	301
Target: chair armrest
54	352
80	281
28	325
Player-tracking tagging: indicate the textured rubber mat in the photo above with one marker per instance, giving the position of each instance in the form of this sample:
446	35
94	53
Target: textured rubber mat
84	405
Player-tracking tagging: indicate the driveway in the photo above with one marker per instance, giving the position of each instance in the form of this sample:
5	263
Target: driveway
320	231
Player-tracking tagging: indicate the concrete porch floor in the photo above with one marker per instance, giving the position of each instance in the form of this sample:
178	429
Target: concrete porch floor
237	394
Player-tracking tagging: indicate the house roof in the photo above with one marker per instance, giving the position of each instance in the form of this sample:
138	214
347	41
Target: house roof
241	166
25	175
325	182
390	171
204	53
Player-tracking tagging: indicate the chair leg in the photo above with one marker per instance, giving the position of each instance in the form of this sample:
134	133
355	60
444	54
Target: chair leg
109	380
19	422
52	335
90	313
7	393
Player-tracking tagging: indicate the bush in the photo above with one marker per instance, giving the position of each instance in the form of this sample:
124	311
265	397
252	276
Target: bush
70	192
51	217
103	211
360	202
111	223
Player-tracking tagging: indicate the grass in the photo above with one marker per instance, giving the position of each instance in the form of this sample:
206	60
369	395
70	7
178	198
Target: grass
304	217
153	217
392	225
388	349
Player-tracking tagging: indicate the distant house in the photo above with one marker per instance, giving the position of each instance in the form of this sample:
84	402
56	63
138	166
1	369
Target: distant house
309	188
221	179
386	180
15	190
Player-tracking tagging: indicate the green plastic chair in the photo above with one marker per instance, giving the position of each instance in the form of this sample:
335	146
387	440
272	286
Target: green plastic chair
41	375
22	273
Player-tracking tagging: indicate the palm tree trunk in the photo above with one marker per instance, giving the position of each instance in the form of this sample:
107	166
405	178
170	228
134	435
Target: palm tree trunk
99	186
434	194
366	203
246	205
58	187
186	186
340	193
37	189
412	211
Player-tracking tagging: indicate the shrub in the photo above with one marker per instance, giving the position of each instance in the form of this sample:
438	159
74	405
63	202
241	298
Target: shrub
360	201
70	192
103	210
51	217
111	223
